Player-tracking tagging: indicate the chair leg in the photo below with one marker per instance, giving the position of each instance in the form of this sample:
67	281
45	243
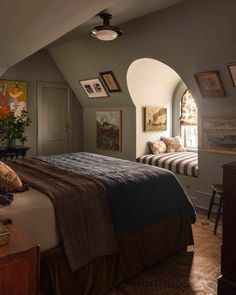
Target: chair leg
211	204
218	214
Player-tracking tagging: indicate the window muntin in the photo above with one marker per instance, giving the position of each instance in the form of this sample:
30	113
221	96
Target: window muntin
188	121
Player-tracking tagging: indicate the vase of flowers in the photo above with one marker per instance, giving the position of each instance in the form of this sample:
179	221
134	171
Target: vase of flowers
12	127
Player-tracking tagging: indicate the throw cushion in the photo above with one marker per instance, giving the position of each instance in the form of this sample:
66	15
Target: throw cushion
173	144
158	147
9	180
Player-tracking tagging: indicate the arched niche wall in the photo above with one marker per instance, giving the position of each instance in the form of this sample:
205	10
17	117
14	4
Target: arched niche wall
151	83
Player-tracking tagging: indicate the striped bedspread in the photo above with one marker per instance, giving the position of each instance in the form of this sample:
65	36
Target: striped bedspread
185	163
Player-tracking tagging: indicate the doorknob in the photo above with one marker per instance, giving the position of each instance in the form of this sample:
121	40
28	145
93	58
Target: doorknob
66	127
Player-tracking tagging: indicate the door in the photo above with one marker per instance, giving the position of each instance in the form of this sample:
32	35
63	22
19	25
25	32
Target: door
53	118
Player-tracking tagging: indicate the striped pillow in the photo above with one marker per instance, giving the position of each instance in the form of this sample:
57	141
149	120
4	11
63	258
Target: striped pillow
9	180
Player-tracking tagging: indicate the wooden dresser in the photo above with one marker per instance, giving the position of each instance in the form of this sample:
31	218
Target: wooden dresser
19	264
227	280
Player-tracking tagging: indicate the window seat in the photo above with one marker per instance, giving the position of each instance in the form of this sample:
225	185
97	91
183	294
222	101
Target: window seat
185	163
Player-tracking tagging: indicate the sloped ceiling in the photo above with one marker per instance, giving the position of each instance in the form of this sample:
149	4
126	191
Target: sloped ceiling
29	25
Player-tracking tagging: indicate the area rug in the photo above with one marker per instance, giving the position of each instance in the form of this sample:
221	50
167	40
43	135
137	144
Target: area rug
193	272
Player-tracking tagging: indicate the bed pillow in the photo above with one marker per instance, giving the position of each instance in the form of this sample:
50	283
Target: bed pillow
173	144
158	147
9	180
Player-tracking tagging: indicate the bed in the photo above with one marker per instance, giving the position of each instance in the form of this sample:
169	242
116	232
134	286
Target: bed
184	163
143	206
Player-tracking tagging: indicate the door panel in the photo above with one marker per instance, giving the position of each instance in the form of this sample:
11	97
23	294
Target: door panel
54	117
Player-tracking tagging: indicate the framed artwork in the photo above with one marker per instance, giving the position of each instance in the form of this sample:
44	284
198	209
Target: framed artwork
232	72
110	81
218	134
155	119
13	97
210	84
94	88
109	130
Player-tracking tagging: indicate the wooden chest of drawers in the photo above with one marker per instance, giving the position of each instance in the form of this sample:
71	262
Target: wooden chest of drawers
19	264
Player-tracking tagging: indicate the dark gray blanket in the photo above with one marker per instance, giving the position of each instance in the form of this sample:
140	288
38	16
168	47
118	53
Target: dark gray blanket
139	194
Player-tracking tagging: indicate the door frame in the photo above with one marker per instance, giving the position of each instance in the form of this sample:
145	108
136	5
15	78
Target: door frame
40	86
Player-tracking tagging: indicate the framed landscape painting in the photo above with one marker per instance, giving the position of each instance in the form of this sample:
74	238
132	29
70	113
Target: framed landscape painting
218	134
155	119
109	130
13	96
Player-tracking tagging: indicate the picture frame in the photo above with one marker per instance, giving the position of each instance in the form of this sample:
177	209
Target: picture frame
218	134
13	97
94	88
155	118
110	81
232	72
109	129
210	84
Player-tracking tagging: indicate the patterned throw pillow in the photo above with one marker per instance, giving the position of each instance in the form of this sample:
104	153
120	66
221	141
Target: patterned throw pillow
9	180
158	147
173	144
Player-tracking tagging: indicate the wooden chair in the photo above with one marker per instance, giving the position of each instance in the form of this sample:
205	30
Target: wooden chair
217	190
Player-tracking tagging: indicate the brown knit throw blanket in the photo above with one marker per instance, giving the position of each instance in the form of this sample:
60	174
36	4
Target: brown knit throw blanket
81	207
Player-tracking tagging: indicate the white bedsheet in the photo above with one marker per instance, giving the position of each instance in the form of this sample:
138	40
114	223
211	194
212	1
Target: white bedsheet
34	212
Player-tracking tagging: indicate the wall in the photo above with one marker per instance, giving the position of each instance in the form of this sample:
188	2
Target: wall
41	67
150	83
193	36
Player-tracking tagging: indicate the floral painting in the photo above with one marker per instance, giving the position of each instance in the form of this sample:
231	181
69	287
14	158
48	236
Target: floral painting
218	135
109	129
155	119
13	95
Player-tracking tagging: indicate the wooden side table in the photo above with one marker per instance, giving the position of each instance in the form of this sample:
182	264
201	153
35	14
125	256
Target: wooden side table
227	280
13	152
19	264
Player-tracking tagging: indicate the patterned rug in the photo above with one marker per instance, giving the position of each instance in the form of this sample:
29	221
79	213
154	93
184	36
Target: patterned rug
193	272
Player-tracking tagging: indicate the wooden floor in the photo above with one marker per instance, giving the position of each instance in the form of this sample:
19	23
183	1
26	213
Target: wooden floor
193	272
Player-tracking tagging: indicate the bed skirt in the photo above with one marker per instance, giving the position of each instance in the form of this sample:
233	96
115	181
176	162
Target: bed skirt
137	251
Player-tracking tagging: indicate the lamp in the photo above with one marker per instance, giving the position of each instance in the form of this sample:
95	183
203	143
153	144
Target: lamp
106	32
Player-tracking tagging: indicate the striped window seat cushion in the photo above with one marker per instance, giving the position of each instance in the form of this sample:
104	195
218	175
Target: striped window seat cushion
185	163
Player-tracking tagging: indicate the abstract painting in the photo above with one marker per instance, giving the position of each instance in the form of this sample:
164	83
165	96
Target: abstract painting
13	96
109	129
155	119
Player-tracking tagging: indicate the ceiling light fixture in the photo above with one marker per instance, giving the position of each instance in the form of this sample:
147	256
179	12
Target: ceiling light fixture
106	32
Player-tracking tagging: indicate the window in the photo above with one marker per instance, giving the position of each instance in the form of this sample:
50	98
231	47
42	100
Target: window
188	120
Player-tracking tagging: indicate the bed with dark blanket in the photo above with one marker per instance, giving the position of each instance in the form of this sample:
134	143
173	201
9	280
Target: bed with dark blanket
151	216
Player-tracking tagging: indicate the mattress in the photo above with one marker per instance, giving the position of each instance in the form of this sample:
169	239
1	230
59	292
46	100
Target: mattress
184	163
34	212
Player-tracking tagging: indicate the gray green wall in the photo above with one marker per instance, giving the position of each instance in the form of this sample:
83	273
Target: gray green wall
193	36
41	67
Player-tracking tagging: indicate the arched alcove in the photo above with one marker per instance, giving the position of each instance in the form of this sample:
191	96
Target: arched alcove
151	83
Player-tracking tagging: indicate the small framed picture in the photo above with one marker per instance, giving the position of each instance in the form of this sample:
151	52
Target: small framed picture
94	88
110	81
109	129
232	72
155	119
218	134
210	84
